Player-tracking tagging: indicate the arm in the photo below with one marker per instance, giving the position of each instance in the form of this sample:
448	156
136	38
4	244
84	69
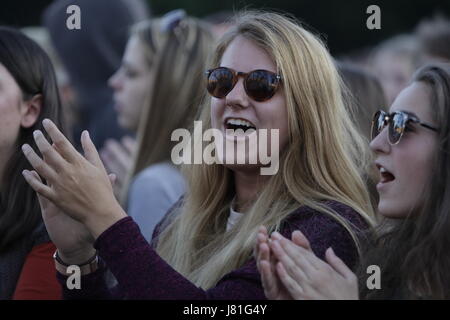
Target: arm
142	274
37	279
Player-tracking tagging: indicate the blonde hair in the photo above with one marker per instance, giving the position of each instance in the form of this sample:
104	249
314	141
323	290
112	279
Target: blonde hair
325	159
178	58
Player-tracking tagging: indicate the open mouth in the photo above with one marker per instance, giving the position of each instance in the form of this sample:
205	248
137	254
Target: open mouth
239	124
385	175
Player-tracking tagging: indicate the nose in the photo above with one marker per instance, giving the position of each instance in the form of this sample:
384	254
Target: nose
380	143
237	97
115	81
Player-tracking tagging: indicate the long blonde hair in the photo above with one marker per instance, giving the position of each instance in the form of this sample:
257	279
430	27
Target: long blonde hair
178	58
325	159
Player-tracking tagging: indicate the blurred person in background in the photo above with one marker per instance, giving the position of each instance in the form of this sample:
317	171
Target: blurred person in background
220	22
366	95
156	90
91	55
434	38
394	62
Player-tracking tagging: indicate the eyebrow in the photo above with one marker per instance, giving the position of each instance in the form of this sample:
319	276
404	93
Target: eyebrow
128	65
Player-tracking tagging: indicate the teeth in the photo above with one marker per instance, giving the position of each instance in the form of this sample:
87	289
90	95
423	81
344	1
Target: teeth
240	122
382	170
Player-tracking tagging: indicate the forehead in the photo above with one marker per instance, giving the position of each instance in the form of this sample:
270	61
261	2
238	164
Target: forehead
134	52
415	99
244	55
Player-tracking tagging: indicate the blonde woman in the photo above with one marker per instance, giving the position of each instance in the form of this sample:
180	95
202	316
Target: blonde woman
156	91
203	248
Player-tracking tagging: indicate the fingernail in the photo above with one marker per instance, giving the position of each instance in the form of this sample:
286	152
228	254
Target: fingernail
26	147
25	172
45	122
36	133
276	235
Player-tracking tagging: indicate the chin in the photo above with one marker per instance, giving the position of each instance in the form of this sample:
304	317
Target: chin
390	211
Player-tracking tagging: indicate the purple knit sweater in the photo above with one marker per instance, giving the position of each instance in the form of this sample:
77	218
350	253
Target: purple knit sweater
142	274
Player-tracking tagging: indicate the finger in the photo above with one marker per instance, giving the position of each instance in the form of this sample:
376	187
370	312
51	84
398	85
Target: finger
43	202
296	269
90	152
292	286
299	239
38	164
118	152
51	156
37	185
62	144
268	280
261	237
338	264
129	144
300	254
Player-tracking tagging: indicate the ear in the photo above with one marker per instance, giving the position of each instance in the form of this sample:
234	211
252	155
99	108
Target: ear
30	111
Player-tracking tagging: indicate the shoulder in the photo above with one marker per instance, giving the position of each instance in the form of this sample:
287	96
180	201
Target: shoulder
308	216
159	169
159	173
324	231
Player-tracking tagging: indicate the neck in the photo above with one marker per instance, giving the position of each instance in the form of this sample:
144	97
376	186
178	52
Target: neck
247	185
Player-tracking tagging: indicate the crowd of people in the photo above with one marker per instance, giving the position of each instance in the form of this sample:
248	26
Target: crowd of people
87	177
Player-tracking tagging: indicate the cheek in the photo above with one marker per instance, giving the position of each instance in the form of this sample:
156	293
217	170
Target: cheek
9	127
217	109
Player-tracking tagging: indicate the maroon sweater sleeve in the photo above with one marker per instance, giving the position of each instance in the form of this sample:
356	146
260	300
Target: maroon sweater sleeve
142	274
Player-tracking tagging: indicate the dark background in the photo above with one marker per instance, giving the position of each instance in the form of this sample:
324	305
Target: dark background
342	23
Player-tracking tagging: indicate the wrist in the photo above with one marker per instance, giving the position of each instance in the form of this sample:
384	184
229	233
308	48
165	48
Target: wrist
100	222
86	267
77	258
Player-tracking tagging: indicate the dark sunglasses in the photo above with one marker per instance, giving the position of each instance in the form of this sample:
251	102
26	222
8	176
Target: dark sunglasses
260	85
397	122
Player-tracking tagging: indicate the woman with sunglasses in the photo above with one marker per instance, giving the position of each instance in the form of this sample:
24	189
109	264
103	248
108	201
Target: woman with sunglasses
267	73
412	145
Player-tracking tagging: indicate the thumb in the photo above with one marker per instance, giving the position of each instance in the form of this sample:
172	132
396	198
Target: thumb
338	264
299	239
90	152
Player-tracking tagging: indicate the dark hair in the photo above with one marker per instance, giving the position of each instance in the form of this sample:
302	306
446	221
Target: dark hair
413	253
367	93
32	70
366	97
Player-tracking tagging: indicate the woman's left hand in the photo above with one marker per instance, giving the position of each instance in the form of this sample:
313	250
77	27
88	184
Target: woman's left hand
78	185
305	276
